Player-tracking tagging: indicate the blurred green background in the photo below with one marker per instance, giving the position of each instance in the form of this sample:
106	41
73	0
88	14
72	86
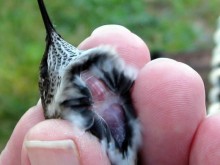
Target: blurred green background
168	26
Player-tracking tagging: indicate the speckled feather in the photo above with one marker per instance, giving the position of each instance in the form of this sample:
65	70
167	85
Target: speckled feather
91	89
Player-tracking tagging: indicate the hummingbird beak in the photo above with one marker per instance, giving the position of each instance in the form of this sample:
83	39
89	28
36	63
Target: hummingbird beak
46	19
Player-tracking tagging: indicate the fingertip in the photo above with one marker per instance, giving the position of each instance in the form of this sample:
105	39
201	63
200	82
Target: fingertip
170	100
130	47
165	77
48	135
206	145
106	34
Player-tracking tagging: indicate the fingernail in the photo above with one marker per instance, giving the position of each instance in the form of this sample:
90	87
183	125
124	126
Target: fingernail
109	28
52	152
39	102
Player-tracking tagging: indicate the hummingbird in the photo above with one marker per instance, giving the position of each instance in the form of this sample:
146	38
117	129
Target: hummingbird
92	90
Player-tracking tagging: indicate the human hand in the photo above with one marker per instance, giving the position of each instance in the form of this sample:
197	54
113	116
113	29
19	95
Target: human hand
170	100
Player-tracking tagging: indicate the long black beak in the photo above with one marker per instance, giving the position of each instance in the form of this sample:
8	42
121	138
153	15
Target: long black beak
47	22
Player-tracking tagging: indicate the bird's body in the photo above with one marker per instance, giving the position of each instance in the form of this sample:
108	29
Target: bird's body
91	89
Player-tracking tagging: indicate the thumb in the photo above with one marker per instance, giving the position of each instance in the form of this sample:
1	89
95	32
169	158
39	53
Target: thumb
58	142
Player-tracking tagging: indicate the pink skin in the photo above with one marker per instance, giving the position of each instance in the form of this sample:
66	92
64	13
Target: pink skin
97	88
106	104
168	96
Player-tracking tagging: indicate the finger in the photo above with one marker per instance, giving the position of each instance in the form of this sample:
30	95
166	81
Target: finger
58	142
170	99
12	152
128	45
206	146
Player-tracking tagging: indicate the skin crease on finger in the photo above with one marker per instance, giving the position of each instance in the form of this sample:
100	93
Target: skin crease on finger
170	99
